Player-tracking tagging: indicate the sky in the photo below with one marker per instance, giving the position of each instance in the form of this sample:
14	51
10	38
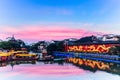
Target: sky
34	20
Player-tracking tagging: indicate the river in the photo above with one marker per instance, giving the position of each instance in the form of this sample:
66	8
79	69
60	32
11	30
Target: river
33	70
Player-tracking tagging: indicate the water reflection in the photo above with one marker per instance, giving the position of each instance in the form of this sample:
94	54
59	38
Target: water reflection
59	70
41	69
12	63
94	66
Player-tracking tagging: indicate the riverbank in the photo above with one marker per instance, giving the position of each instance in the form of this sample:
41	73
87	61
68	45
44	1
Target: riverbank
92	56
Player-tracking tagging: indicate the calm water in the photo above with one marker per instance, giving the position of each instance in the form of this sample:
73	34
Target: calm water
32	70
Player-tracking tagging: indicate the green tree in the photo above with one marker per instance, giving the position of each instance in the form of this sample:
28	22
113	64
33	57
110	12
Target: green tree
50	48
56	46
60	46
116	49
5	45
12	43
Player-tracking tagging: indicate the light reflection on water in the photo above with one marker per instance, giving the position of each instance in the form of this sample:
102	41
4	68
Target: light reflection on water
41	71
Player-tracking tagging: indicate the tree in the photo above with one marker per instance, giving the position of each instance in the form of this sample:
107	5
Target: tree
112	50
52	47
21	42
12	43
60	46
5	45
56	46
115	50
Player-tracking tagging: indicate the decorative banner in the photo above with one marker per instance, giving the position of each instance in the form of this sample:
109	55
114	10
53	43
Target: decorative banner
101	48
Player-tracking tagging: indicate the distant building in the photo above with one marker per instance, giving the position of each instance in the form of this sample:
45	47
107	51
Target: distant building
110	38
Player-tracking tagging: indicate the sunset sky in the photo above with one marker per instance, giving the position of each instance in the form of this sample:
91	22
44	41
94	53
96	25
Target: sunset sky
34	20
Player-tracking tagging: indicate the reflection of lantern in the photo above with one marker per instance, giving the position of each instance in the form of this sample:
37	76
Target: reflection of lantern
80	62
90	63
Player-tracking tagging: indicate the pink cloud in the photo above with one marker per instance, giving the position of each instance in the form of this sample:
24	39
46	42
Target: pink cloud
36	33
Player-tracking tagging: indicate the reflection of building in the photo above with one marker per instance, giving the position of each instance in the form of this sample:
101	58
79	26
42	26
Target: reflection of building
93	65
3	64
90	63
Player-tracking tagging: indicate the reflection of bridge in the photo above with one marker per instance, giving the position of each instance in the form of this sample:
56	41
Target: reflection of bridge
85	64
93	65
92	61
92	56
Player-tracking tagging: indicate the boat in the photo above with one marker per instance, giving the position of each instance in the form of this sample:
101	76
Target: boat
17	55
4	57
23	55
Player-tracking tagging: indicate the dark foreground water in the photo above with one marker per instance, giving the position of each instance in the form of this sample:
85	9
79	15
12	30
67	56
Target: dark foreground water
32	70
